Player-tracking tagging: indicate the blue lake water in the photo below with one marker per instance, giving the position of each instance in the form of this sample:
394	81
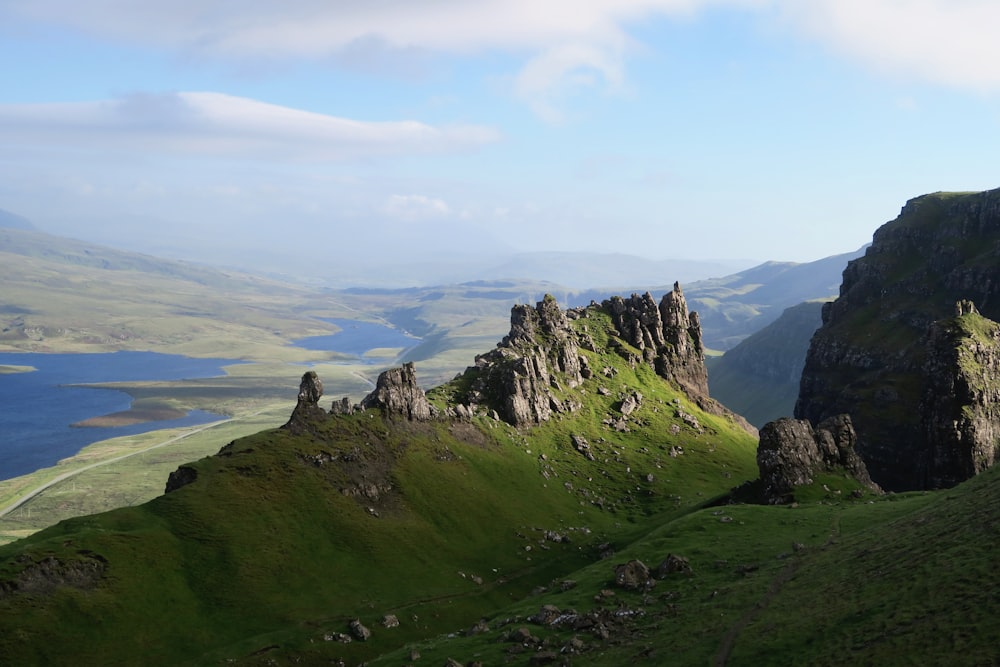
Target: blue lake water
356	338
37	408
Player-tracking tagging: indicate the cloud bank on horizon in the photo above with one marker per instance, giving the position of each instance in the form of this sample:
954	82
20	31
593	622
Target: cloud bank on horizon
763	129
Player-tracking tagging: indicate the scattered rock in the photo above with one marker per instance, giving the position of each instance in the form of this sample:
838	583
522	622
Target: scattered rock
633	575
674	564
359	631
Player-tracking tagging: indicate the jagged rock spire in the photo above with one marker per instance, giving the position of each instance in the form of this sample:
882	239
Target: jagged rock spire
667	334
307	408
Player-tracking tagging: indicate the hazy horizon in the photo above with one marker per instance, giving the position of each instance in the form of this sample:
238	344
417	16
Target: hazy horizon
340	133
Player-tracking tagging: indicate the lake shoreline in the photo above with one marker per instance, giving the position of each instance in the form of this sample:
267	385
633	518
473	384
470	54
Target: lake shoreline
130	417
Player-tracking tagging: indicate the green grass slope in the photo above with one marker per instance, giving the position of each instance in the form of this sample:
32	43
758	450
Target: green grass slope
283	539
838	580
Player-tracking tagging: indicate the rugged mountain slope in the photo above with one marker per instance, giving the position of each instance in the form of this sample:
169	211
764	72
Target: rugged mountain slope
414	516
759	378
903	352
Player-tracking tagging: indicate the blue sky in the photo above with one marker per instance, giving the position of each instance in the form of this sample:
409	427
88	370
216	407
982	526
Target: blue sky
707	129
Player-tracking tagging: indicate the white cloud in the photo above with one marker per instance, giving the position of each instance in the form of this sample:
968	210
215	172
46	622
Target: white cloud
566	45
213	124
416	208
951	42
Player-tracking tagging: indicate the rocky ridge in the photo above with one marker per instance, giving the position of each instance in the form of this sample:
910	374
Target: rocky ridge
536	371
524	379
880	356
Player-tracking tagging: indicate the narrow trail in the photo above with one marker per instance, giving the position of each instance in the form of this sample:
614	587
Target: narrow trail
63	477
779	581
729	640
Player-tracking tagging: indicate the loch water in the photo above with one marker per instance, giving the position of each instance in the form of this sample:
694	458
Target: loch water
356	338
37	407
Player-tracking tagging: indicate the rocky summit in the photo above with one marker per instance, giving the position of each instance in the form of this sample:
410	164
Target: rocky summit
525	379
910	351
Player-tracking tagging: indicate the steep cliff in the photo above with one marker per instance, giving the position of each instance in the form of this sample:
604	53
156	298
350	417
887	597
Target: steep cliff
880	357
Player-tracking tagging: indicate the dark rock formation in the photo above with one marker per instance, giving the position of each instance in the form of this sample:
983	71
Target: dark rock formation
878	358
183	476
674	564
633	575
360	632
342	407
307	408
397	395
791	452
960	407
49	574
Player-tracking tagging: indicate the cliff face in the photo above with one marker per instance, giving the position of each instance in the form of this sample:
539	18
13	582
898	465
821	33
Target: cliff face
887	351
960	408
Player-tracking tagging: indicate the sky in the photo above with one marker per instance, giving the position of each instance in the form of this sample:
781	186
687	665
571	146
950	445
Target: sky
330	131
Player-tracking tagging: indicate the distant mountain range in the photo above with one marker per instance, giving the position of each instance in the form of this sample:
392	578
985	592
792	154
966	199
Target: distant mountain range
13	221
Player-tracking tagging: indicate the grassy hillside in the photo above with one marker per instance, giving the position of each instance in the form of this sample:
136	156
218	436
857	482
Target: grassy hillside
283	539
500	545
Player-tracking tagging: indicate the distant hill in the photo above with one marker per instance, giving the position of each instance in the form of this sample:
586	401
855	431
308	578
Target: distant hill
759	378
10	220
583	270
735	306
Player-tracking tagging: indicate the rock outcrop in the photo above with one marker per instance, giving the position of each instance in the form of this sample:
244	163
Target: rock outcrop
307	407
397	395
879	357
791	452
668	336
960	407
521	376
526	379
